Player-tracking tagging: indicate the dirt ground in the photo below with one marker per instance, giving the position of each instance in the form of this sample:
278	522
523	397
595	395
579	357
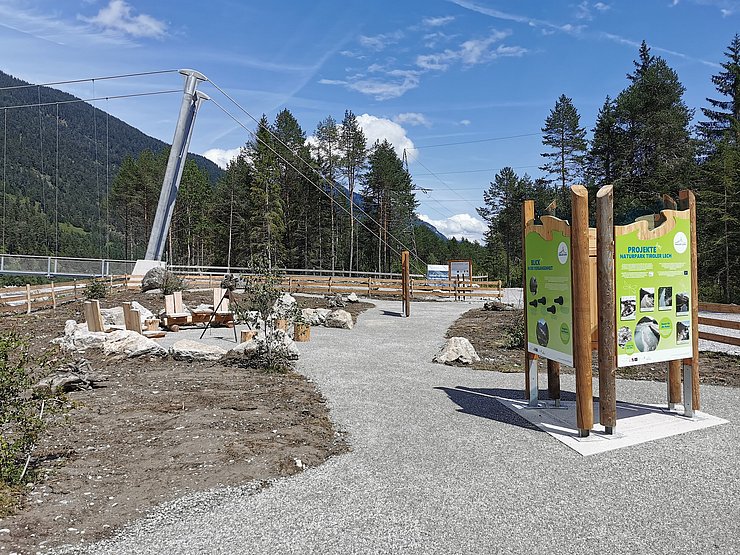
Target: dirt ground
156	430
487	331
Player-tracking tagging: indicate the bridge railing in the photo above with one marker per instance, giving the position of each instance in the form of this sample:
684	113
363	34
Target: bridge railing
23	264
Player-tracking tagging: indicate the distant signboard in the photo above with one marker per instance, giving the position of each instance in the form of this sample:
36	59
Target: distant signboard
438	272
461	268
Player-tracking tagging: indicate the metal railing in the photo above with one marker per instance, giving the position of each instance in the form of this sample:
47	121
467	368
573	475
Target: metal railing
51	266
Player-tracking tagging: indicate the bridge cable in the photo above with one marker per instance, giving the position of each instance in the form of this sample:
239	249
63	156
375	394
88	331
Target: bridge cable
323	177
104	78
5	159
78	100
41	173
56	193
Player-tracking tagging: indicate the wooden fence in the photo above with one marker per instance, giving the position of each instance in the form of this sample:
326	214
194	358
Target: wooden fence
719	323
373	287
26	299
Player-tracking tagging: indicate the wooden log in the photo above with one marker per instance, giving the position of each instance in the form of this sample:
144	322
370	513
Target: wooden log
688	202
716	322
581	309
607	308
247	335
727	339
721	308
405	283
527	216
302	332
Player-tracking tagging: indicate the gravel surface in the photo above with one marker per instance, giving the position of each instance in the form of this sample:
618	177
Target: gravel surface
436	466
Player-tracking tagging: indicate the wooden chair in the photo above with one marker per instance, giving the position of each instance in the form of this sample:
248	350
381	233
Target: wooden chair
132	319
222	313
93	317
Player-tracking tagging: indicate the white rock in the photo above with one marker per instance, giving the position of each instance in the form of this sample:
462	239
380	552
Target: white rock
339	319
280	340
352	298
189	350
315	316
112	316
144	312
78	338
456	349
131	344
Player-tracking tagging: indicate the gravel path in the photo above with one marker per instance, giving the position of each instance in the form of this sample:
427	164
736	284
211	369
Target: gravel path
438	467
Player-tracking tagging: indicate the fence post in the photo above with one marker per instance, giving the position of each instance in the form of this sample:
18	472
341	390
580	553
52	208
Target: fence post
581	277
369	286
527	216
330	285
607	308
688	202
28	298
75	288
53	297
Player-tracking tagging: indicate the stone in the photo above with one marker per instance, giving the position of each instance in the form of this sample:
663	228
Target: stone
132	345
78	338
315	316
153	279
496	305
285	305
189	350
336	301
339	319
456	349
144	312
352	298
112	316
280	340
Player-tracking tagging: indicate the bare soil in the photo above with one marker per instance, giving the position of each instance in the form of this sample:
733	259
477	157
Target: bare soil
488	331
157	429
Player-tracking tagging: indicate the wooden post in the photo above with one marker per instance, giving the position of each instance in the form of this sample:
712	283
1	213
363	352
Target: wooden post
53	297
553	381
28	298
405	278
527	216
688	201
369	286
581	309
607	308
75	288
329	285
674	366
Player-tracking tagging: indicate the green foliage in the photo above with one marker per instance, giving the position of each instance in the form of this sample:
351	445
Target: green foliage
96	289
515	334
21	421
171	283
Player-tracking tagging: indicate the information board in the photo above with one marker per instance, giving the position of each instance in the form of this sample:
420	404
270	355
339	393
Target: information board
461	268
438	272
653	289
548	291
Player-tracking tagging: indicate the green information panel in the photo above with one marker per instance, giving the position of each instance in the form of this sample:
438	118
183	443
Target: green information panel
653	288
548	292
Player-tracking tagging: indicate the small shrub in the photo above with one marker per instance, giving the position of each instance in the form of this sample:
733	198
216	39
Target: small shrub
171	283
514	334
21	421
96	289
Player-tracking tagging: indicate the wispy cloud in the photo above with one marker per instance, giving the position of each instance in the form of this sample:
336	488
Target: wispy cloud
459	226
584	10
725	7
221	157
506	16
412	118
437	21
471	52
379	42
635	44
392	84
119	17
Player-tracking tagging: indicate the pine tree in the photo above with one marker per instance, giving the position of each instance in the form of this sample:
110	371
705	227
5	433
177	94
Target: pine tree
658	155
719	196
353	149
566	138
603	156
327	154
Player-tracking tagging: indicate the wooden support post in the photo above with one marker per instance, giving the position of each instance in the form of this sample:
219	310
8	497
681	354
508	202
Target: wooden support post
329	285
369	286
688	202
405	283
553	381
607	308
581	310
527	216
674	383
28	298
53	297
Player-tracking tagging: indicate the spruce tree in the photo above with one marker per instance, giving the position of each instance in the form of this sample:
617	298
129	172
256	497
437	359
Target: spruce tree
566	139
327	154
353	149
603	156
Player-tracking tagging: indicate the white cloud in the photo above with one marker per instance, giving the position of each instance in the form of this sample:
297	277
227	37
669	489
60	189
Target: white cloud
465	122
471	52
221	157
377	129
601	6
412	118
459	226
438	21
118	17
396	83
379	42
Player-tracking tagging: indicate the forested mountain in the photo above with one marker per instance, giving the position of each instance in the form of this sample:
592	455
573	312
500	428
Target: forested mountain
59	160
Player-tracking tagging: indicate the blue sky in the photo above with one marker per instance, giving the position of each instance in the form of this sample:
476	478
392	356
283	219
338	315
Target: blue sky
428	75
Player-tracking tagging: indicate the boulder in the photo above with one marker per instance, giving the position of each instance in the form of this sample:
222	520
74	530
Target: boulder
456	349
352	298
496	305
285	305
131	344
112	316
78	338
339	319
189	350
144	312
153	279
336	301
315	316
279	341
